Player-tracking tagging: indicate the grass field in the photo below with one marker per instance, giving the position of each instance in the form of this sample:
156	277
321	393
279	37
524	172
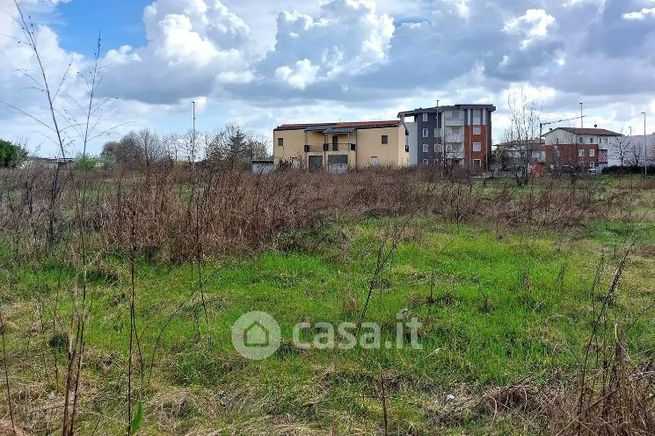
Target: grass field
498	306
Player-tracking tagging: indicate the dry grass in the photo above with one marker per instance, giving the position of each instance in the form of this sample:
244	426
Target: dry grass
177	212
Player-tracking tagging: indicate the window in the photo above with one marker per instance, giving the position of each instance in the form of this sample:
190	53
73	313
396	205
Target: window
425	148
581	152
477	130
436	161
280	142
426	133
455	130
592	153
477	163
453	115
426	162
375	161
425	117
580	140
477	116
477	146
385	139
437	149
436	133
591	140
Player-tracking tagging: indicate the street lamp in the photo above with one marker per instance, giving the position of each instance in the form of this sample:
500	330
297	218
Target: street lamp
581	117
645	147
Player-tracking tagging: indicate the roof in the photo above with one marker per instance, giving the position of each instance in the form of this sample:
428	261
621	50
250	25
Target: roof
339	126
586	131
440	109
536	143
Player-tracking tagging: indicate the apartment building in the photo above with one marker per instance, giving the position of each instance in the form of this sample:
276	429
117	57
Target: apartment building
338	147
632	150
459	134
579	147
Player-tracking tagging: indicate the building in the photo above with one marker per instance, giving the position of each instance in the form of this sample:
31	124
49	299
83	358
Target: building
579	148
262	167
630	150
520	151
338	147
46	163
459	134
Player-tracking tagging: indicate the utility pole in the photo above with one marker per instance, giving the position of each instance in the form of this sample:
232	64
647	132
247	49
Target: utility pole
645	146
193	132
440	138
581	117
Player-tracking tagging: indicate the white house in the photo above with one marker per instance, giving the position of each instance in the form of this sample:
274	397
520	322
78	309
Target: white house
632	148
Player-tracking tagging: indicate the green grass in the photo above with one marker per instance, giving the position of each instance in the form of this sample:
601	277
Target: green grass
506	306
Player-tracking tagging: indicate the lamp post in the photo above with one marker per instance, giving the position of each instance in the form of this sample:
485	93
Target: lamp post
581	117
645	146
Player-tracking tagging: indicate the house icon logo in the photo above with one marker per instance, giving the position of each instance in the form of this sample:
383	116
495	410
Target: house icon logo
256	335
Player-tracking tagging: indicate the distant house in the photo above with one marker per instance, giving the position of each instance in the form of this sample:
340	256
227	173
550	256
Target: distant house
632	150
581	148
337	147
532	151
46	163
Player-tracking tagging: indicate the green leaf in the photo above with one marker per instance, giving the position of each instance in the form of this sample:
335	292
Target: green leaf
138	418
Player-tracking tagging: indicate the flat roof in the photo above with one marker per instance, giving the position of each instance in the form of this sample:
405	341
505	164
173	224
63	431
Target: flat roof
441	109
352	126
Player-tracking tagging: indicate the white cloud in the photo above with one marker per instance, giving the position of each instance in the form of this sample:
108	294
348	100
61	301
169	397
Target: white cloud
346	38
299	76
193	46
462	7
535	24
640	15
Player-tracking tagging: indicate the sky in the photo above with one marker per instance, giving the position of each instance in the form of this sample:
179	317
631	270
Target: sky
262	63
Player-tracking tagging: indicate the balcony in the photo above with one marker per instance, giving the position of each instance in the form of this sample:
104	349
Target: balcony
454	118
342	147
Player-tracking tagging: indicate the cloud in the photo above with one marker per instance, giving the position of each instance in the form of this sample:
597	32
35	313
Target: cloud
534	25
332	59
640	15
193	47
346	38
300	76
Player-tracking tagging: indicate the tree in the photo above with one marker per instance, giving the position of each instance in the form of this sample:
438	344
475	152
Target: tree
621	148
234	145
136	149
11	154
86	162
635	154
522	133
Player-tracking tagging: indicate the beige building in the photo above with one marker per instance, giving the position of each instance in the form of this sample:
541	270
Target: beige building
341	146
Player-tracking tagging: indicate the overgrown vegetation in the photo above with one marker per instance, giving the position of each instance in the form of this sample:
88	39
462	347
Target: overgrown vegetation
515	287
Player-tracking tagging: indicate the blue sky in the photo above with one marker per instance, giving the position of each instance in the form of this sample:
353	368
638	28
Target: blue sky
80	21
265	62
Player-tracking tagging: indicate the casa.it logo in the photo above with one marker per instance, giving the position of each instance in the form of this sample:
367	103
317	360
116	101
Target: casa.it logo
256	335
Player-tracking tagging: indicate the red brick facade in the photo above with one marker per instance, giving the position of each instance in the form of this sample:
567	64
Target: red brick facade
471	156
569	155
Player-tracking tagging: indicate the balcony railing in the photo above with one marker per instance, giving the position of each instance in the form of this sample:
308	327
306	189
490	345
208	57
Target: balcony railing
331	147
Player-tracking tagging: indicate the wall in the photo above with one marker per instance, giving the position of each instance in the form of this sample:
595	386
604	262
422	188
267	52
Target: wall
369	144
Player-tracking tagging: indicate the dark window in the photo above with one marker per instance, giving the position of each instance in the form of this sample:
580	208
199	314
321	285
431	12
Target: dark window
335	143
385	139
280	142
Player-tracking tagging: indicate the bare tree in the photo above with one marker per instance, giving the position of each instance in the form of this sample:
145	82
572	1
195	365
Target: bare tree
621	148
522	133
635	154
136	149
